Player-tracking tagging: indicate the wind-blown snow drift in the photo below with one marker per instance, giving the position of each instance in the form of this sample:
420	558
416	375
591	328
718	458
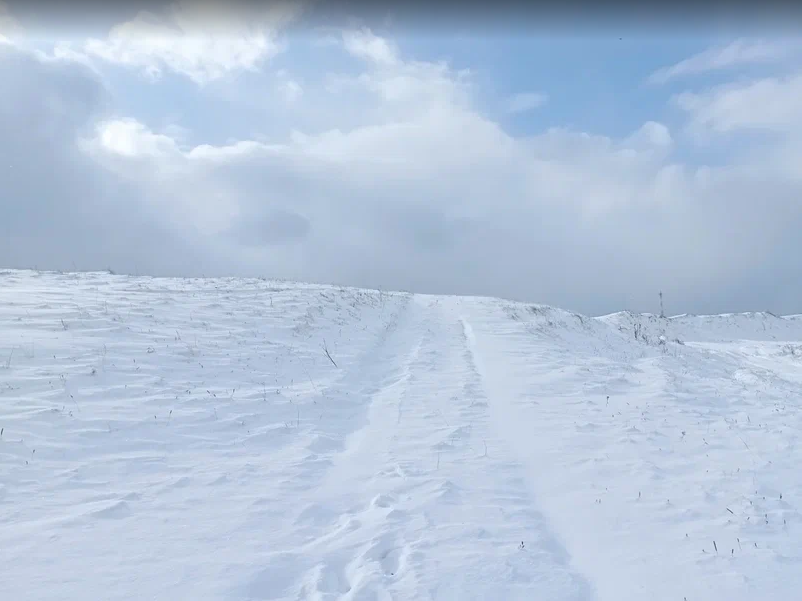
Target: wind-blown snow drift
246	439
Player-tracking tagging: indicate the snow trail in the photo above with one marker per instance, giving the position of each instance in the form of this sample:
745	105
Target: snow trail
423	477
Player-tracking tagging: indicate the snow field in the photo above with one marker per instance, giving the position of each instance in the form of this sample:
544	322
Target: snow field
247	439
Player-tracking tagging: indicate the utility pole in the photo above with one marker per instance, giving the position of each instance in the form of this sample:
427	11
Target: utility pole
662	313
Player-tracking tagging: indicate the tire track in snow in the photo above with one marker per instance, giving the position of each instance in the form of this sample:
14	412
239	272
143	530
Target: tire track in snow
344	405
418	507
561	579
642	481
322	518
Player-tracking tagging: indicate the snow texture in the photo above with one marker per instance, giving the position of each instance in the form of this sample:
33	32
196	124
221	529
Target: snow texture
231	439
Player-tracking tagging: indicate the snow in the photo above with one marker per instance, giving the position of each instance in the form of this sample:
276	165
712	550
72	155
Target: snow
192	439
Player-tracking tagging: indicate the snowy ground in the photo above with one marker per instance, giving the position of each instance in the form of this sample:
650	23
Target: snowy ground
190	439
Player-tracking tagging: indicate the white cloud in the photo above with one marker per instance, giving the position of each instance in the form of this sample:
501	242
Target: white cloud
129	138
402	87
203	41
438	184
364	44
650	135
420	191
737	53
769	104
525	101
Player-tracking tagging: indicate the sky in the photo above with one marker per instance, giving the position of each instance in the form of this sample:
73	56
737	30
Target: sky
582	162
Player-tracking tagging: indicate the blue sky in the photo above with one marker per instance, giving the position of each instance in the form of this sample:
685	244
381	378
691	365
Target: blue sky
587	166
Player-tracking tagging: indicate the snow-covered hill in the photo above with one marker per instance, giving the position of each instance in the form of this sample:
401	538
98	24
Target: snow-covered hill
236	439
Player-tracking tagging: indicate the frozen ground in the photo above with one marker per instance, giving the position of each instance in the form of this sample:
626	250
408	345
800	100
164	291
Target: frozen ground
191	440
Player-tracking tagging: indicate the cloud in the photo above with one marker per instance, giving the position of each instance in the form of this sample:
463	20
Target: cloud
767	105
525	101
400	83
651	135
735	54
555	217
58	210
203	41
129	138
362	43
274	227
9	26
418	189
